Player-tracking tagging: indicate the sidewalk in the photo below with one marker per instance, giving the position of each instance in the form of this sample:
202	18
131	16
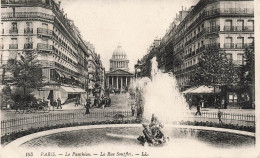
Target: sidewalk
234	111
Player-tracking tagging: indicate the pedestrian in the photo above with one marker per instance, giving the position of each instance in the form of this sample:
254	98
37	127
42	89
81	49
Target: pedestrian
219	115
198	109
95	101
77	102
133	109
59	103
190	103
87	106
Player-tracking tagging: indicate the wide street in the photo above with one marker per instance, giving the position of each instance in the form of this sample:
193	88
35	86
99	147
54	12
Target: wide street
119	102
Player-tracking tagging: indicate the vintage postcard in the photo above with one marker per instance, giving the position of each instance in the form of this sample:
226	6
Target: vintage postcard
129	78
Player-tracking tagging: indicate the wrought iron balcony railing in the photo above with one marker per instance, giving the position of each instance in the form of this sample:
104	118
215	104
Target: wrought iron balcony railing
229	28
13	31
28	46
44	32
28	30
13	46
228	45
44	47
240	45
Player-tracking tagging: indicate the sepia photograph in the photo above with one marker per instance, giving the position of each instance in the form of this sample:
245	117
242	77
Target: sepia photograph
129	78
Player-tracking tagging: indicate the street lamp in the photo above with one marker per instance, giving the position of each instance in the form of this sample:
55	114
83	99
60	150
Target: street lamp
138	68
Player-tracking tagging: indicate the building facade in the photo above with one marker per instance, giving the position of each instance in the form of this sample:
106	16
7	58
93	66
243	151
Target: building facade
42	26
119	76
225	25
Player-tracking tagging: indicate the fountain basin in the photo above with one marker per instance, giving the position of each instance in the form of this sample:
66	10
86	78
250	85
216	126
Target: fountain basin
122	138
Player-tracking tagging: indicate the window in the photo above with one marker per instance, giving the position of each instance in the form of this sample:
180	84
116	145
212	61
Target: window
240	25
29	24
14	40
250	40
240	59
14	26
2	43
228	40
228	25
44	25
250	25
2	26
240	42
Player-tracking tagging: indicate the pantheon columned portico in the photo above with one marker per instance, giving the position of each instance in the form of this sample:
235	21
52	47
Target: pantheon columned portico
119	76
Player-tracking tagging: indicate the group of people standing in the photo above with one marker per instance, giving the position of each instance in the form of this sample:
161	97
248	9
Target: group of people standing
56	103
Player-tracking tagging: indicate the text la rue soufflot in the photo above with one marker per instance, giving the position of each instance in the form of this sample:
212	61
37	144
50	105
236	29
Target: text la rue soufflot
123	154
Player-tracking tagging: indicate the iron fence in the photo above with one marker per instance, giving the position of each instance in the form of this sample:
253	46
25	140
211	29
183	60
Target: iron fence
13	125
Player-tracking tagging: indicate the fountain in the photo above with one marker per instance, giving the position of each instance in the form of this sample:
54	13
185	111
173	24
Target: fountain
161	97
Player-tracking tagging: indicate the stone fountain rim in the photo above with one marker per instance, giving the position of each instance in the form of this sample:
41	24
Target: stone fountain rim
18	142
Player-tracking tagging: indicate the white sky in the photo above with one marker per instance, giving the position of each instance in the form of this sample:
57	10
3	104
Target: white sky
132	23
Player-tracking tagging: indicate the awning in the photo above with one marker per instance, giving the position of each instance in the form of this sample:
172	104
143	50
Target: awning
59	73
188	90
68	89
79	90
202	90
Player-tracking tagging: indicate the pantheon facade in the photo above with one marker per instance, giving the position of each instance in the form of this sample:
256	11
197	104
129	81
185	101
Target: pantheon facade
119	76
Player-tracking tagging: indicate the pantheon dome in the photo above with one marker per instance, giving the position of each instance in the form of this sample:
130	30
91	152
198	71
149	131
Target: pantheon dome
119	59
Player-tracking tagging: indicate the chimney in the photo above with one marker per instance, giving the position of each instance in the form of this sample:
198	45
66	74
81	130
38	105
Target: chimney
182	8
59	4
65	15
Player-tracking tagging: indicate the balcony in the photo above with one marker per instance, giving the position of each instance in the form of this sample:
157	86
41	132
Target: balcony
44	47
28	30
28	46
13	31
213	29
44	32
13	46
229	28
237	11
249	28
228	45
240	45
46	63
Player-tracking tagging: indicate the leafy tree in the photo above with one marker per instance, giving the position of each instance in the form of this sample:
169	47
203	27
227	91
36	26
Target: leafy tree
214	68
248	72
26	72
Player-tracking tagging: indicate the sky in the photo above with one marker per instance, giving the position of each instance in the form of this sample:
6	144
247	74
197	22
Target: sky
133	24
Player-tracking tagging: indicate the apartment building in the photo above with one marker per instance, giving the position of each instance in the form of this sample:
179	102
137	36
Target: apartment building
41	25
227	25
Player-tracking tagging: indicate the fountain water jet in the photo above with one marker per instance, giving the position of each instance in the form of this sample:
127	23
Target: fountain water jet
161	96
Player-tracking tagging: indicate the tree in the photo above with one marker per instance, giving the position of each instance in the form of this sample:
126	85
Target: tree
247	76
248	69
26	72
214	68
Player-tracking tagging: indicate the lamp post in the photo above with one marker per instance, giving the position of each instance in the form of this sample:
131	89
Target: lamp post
138	68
